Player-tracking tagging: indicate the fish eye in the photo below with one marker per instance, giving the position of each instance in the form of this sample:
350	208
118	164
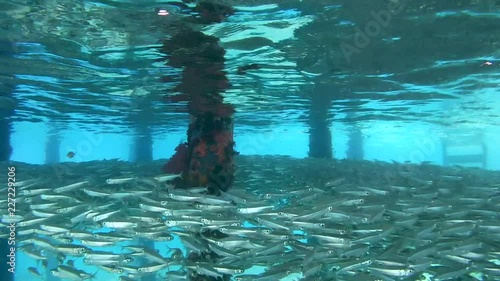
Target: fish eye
238	271
163	203
27	199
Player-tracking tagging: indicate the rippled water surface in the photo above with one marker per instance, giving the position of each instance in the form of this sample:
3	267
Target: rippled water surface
99	62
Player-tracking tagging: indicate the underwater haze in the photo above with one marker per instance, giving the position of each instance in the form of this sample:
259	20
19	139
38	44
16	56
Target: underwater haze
249	140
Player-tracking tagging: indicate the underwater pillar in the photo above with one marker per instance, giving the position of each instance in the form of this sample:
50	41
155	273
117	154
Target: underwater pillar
320	136
6	111
206	159
7	105
142	148
5	130
355	149
52	149
210	147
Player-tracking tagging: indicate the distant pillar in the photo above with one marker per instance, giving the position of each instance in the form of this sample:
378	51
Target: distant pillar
355	149
320	136
52	149
6	111
142	148
5	130
6	106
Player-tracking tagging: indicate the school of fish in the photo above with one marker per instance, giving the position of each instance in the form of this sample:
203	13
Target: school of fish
310	220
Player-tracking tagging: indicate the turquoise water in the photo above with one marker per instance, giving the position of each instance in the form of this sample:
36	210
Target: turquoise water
393	81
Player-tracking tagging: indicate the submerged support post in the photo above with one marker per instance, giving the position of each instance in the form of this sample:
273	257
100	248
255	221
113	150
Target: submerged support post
142	148
7	105
52	149
206	159
210	143
6	111
355	149
5	130
320	137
